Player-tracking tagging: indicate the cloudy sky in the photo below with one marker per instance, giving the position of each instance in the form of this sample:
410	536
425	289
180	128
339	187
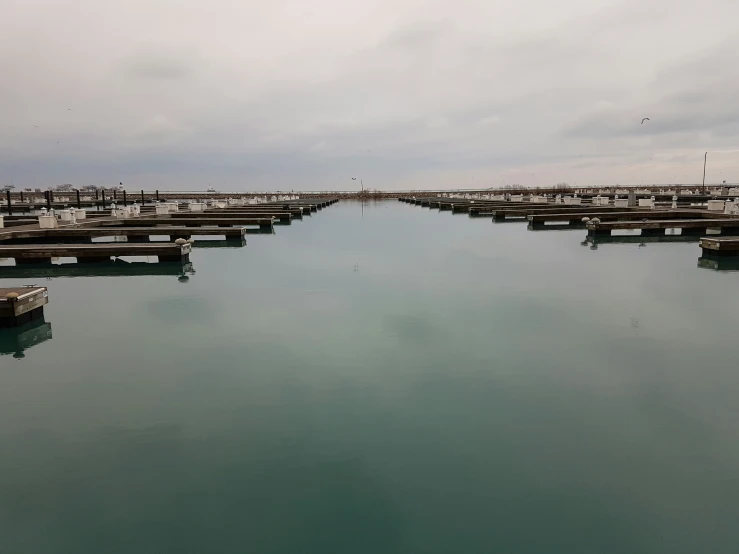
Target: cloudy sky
297	94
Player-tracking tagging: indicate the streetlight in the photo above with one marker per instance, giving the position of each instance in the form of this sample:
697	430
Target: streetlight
705	159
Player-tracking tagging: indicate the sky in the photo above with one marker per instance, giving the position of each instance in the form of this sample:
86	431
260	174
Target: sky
401	94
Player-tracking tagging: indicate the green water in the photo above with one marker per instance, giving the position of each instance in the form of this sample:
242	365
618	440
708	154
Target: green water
386	379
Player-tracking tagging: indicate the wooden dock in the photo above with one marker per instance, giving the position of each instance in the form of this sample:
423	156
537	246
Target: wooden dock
91	253
33	248
190	221
284	217
654	222
719	246
19	305
692	226
576	217
113	268
134	234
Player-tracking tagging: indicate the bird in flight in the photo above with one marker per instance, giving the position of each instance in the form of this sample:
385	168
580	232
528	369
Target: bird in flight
354	178
645	119
69	109
36	126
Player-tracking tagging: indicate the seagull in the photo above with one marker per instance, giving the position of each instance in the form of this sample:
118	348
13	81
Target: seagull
354	178
36	126
645	119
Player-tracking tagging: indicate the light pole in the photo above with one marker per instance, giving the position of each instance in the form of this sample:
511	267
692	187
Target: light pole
705	159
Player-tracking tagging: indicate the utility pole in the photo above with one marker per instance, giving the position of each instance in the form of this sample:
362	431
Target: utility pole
705	159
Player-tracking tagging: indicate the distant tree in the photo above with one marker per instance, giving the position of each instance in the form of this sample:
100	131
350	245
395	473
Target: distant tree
562	187
6	188
64	188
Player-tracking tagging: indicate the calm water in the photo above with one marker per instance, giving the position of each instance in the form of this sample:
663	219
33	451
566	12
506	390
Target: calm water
385	380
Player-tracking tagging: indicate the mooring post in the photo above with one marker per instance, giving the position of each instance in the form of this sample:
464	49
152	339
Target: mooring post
143	200
21	196
102	194
79	204
115	195
47	194
124	199
157	195
10	206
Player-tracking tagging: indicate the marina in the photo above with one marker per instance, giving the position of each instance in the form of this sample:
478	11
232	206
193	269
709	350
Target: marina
316	360
601	216
74	233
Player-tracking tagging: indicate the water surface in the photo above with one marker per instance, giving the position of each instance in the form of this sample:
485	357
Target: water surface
381	379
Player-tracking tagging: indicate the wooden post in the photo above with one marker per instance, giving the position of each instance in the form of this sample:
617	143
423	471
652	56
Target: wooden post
10	206
102	194
47	195
21	196
705	159
79	205
124	198
115	194
157	195
143	200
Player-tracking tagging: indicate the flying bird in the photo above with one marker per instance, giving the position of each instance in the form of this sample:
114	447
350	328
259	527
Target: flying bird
645	119
36	126
354	178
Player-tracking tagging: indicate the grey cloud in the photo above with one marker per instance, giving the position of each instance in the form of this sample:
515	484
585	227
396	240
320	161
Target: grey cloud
261	94
155	63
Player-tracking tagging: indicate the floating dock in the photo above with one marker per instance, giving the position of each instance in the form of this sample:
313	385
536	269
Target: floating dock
692	226
190	221
602	216
19	305
134	234
91	253
713	247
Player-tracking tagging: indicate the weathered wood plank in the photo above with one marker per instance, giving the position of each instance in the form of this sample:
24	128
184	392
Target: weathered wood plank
35	253
73	233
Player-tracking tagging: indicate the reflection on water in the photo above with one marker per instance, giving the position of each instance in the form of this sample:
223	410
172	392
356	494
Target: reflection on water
594	241
407	381
16	340
719	263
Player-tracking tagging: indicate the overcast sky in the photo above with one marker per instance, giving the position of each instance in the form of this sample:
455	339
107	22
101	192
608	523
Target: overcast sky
288	94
